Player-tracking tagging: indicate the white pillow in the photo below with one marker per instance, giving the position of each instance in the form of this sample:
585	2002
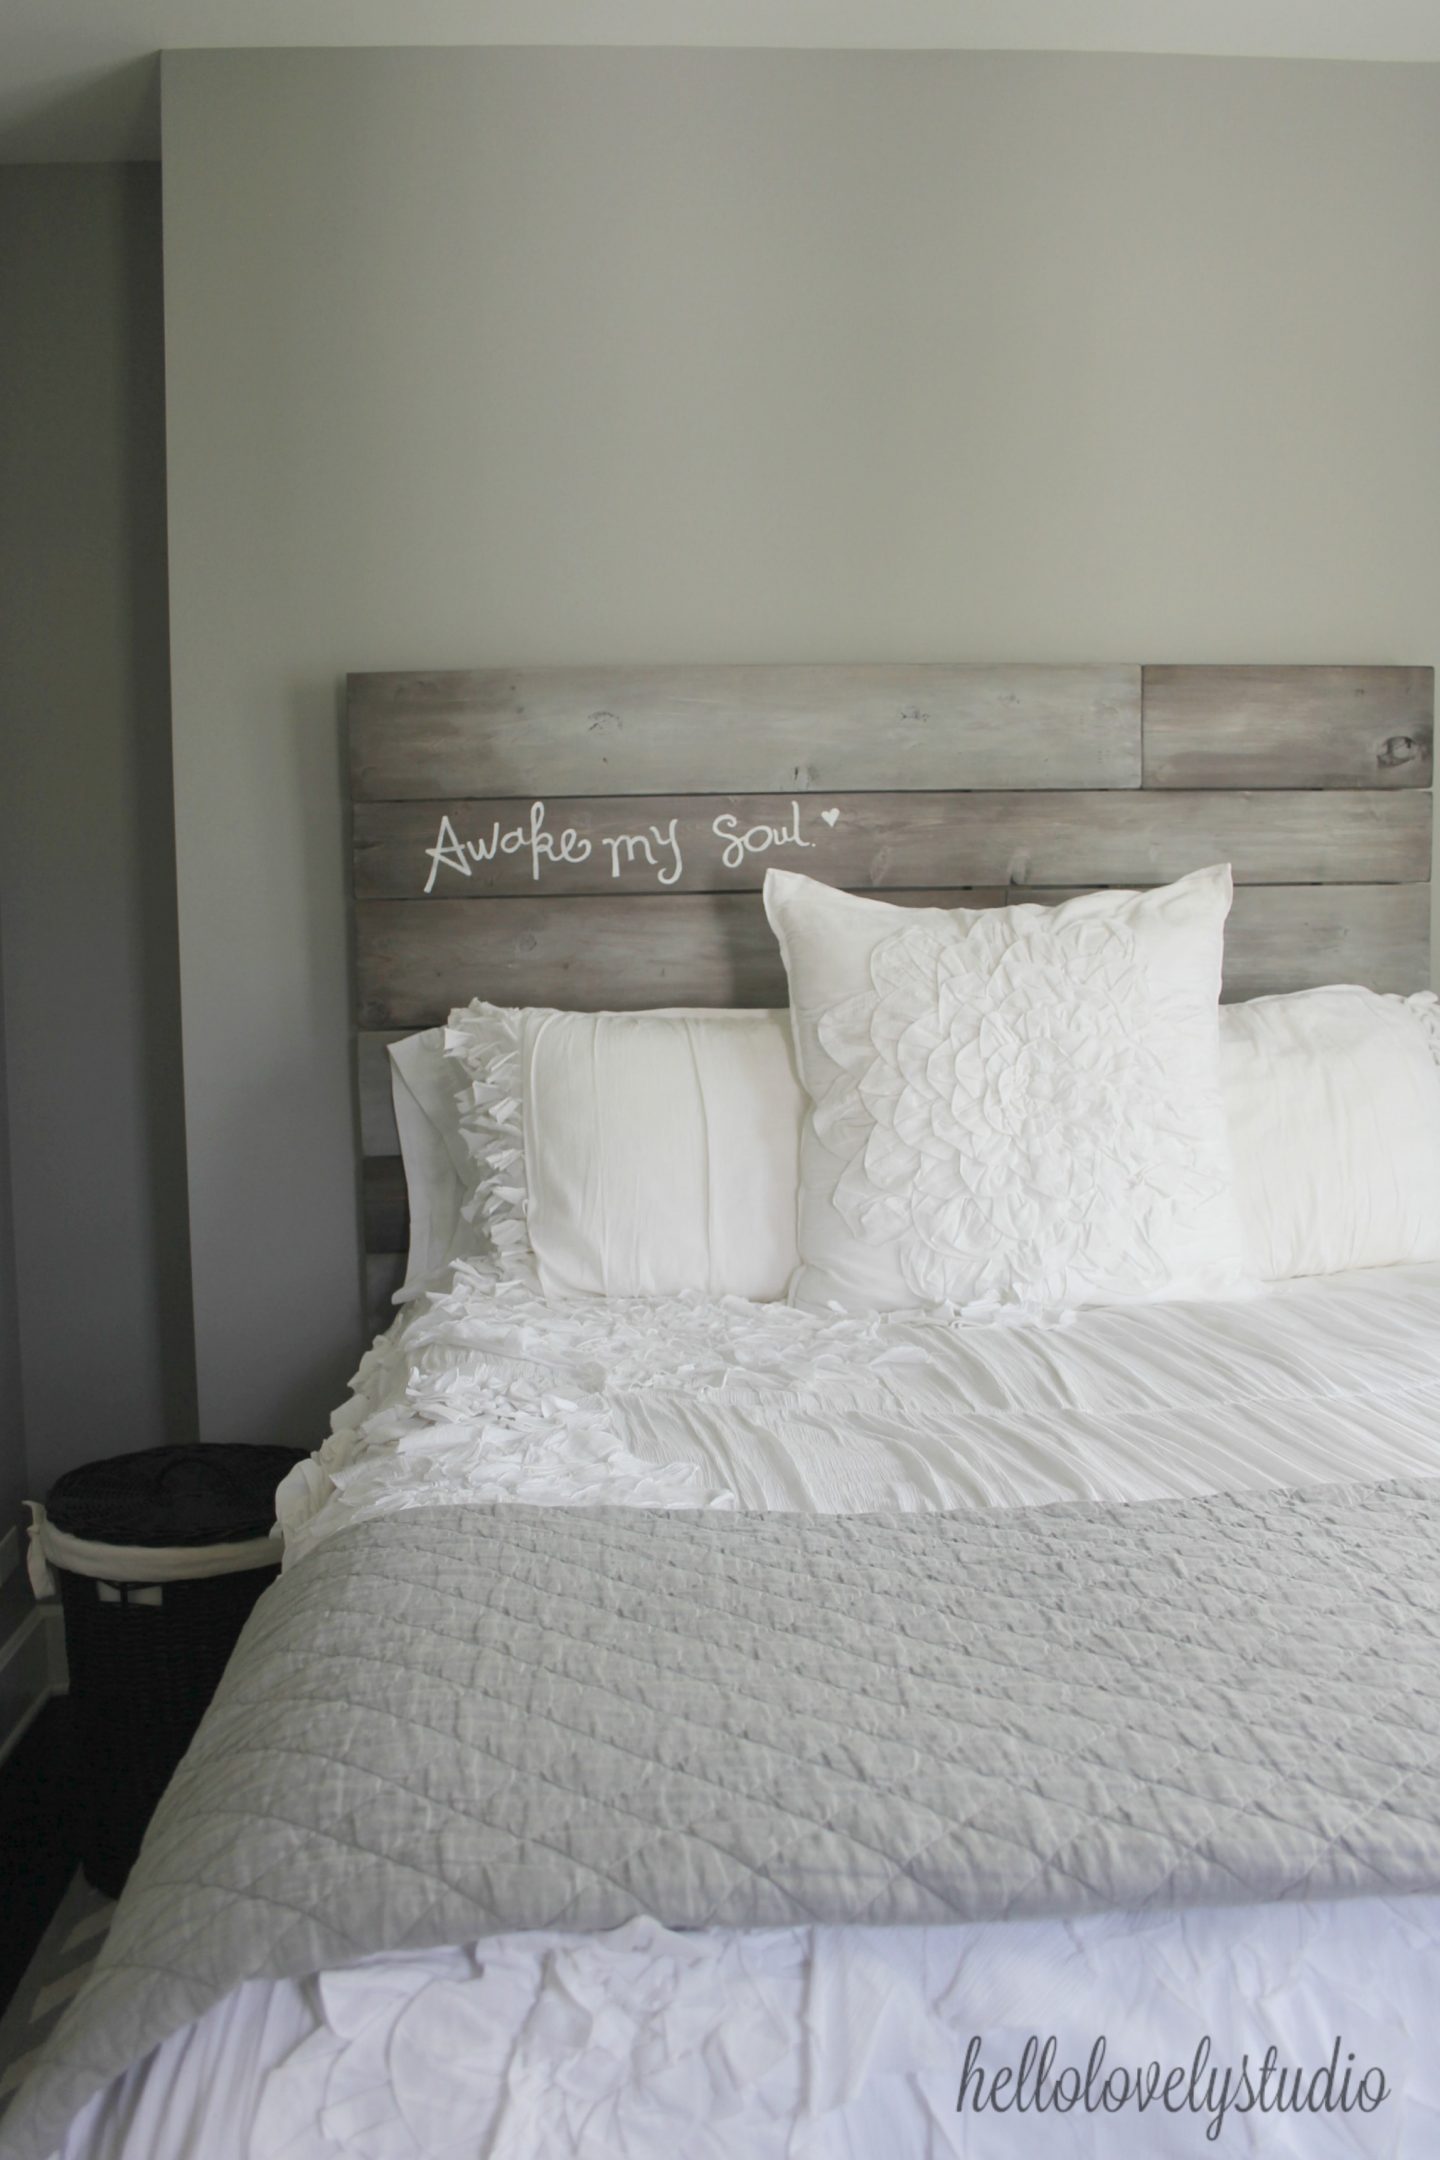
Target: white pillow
433	1152
1016	1105
1333	1103
633	1154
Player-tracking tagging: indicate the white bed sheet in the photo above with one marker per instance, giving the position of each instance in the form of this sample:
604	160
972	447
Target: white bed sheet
830	2042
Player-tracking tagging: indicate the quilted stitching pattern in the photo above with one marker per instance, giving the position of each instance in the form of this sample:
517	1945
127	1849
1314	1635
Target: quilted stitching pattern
449	1724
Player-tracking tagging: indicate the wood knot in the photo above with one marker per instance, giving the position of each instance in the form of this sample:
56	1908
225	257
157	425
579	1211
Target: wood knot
1398	750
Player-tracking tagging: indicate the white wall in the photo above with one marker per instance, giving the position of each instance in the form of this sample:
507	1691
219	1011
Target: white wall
514	356
101	1287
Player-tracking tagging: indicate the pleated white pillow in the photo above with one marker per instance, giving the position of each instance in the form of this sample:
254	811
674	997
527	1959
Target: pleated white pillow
632	1154
1012	1106
1333	1102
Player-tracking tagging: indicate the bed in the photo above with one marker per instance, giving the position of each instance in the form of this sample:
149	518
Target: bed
562	1559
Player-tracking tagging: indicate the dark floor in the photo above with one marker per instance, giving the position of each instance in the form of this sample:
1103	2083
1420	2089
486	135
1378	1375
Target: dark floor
37	1845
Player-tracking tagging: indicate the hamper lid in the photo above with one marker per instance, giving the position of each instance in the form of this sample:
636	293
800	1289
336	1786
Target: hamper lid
207	1495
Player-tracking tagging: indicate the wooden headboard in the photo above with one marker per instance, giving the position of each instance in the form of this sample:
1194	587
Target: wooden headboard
596	837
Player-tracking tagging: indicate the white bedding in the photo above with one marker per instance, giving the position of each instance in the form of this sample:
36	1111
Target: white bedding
830	2042
486	1391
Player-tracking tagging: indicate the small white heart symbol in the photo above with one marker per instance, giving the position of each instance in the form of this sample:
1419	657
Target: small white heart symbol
830	816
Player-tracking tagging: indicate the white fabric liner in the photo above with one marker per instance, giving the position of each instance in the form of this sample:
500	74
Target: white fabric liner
843	2042
51	1548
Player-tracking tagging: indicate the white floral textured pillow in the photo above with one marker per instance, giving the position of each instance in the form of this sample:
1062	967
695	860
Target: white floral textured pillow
1010	1106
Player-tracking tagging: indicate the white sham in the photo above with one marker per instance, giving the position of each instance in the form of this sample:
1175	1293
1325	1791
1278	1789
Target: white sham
633	1154
1013	1106
1332	1098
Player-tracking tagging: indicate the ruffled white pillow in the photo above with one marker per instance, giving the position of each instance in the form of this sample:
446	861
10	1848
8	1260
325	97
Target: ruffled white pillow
435	1157
1014	1106
632	1154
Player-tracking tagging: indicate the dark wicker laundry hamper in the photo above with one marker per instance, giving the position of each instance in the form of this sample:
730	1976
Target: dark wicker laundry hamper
159	1558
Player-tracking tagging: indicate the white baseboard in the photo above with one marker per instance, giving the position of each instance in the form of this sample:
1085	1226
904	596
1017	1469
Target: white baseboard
32	1669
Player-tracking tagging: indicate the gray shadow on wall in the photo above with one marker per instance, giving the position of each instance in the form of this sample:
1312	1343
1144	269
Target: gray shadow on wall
340	743
103	113
150	780
289	1274
321	745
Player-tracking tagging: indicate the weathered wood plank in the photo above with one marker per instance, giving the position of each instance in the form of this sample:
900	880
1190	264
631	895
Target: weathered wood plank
417	959
378	1135
748	730
386	1209
883	842
1299	937
1288	727
384	1273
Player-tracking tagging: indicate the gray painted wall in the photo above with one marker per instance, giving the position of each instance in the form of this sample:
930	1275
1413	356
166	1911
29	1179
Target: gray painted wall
101	1293
13	1470
519	356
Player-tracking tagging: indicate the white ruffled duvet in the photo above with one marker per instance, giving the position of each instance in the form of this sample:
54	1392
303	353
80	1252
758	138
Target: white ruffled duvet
844	2043
486	1391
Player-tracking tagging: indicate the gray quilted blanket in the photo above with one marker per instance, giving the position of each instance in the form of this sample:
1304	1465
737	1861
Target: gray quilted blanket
454	1722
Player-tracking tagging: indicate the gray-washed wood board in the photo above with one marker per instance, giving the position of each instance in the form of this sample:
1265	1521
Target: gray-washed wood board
741	730
378	1134
576	845
1322	727
416	959
387	1218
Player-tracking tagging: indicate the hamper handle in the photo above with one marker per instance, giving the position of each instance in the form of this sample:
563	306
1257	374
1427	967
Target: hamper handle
42	1582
